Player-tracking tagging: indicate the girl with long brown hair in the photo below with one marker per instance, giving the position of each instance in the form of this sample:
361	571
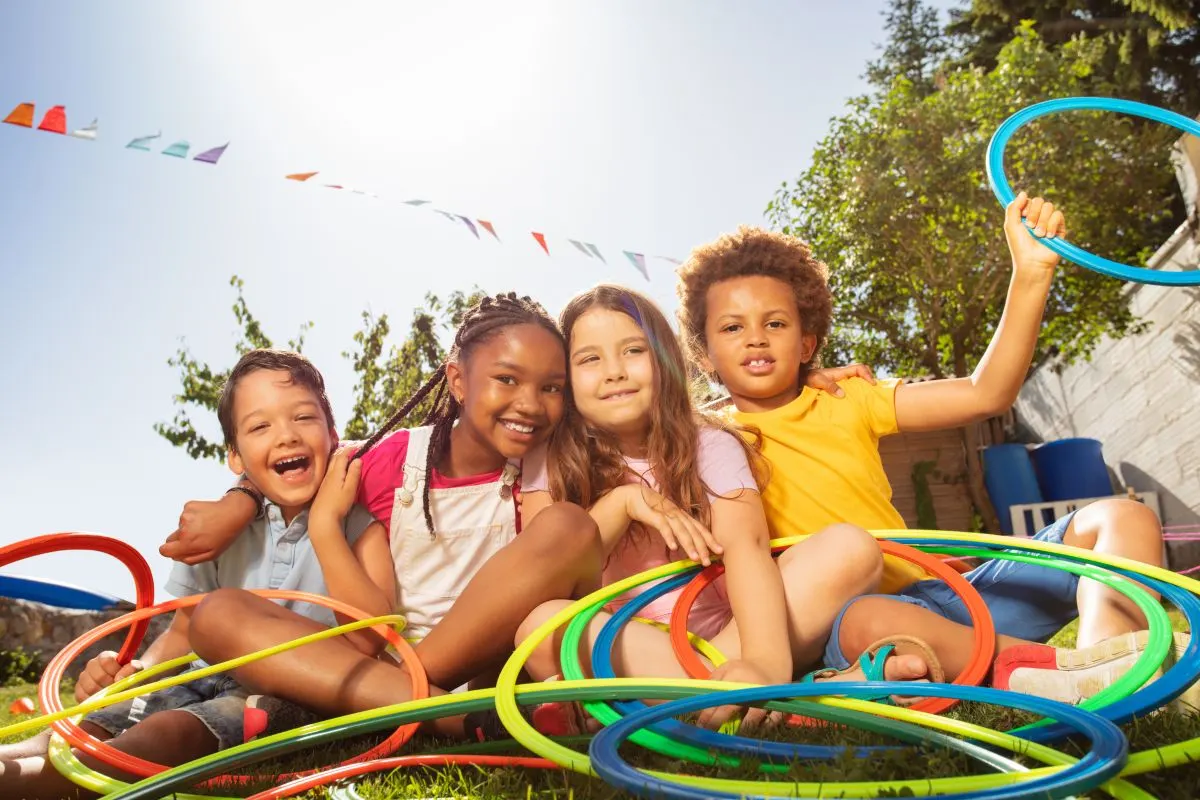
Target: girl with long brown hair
658	477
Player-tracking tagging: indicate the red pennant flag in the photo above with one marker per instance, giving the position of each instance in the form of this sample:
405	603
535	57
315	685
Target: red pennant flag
487	226
55	121
541	239
299	176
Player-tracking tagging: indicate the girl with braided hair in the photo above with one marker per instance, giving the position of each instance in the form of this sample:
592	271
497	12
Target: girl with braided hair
444	550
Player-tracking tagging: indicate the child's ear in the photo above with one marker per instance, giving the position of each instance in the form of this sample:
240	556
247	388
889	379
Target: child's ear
455	381
808	347
333	439
235	461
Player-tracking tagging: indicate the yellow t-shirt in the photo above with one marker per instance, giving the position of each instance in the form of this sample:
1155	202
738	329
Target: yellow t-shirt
825	466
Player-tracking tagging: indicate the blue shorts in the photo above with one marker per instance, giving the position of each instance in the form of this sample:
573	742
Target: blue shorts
1027	601
218	701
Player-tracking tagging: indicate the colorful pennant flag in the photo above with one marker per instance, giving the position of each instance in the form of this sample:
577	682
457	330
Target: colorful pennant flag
469	224
540	239
178	150
212	156
55	121
639	261
299	176
674	261
89	132
21	115
487	226
579	246
416	202
143	142
596	250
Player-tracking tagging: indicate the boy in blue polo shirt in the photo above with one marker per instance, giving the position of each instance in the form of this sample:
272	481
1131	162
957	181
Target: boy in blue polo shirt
278	426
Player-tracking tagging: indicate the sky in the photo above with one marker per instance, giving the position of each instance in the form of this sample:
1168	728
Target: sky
649	127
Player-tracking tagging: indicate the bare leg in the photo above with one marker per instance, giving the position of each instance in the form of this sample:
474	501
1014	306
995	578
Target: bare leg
1121	528
873	618
557	556
169	737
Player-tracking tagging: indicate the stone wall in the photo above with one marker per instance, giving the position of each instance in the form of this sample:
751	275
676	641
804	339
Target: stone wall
45	630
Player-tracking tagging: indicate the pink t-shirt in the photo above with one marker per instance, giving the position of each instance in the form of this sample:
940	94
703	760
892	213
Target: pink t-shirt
725	471
383	474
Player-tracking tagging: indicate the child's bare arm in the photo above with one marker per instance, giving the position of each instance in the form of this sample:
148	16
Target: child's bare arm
996	381
208	527
362	576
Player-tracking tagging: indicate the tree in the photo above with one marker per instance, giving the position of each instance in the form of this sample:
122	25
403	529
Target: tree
382	385
1151	48
916	48
897	203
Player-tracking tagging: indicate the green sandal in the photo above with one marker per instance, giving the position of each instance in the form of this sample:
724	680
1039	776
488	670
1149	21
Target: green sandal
871	664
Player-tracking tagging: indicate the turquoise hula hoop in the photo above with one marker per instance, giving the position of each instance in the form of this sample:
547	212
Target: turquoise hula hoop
1071	252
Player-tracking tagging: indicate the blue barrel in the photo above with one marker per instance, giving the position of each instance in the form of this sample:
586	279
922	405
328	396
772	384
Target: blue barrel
1010	480
1069	469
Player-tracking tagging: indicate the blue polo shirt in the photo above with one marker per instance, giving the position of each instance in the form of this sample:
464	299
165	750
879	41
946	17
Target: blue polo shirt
269	555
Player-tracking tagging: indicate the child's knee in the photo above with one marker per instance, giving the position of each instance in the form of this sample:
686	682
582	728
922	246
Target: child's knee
565	532
1121	517
212	616
858	561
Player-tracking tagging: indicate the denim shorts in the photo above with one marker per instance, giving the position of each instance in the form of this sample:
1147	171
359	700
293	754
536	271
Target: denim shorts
1027	601
217	701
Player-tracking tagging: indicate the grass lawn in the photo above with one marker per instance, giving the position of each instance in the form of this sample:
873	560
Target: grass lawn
1165	728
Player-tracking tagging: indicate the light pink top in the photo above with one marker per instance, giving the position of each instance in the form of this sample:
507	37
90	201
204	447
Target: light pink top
725	471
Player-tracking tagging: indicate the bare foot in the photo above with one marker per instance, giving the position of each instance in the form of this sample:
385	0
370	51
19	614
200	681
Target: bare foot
895	668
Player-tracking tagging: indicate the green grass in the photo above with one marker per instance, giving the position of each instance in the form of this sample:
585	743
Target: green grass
1164	728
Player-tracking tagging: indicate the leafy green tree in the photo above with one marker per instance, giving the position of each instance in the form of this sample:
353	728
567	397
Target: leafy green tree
897	203
916	48
386	377
1150	48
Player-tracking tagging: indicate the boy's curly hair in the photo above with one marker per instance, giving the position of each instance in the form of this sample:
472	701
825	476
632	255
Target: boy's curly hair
752	251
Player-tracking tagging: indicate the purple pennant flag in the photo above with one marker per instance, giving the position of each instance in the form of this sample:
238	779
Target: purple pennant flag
639	261
469	224
212	156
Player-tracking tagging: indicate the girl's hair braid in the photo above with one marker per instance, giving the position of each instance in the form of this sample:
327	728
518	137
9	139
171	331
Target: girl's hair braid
480	323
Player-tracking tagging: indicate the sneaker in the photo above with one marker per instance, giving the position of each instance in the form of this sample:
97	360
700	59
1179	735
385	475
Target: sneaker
265	715
1072	676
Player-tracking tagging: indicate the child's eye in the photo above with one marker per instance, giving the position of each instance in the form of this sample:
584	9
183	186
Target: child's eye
635	351
507	380
259	427
553	389
775	323
587	360
734	328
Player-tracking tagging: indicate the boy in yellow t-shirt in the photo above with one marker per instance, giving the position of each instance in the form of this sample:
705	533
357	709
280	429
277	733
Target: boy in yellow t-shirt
755	310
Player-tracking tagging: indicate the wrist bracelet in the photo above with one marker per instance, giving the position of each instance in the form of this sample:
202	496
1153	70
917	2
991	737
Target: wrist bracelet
259	506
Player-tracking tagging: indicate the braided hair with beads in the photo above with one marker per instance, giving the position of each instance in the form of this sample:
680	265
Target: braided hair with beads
481	322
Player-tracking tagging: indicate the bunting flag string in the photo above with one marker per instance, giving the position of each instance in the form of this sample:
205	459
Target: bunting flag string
55	121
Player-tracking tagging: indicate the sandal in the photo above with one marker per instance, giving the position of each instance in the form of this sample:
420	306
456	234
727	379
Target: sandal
871	665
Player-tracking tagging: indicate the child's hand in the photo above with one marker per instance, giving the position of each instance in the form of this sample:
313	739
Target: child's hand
207	528
825	380
739	671
678	529
339	486
1045	221
101	671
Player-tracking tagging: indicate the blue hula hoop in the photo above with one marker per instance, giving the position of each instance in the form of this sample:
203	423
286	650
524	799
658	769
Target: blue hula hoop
1071	252
1104	761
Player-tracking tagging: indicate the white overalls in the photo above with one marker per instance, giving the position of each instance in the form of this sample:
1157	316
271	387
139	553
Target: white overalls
473	524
